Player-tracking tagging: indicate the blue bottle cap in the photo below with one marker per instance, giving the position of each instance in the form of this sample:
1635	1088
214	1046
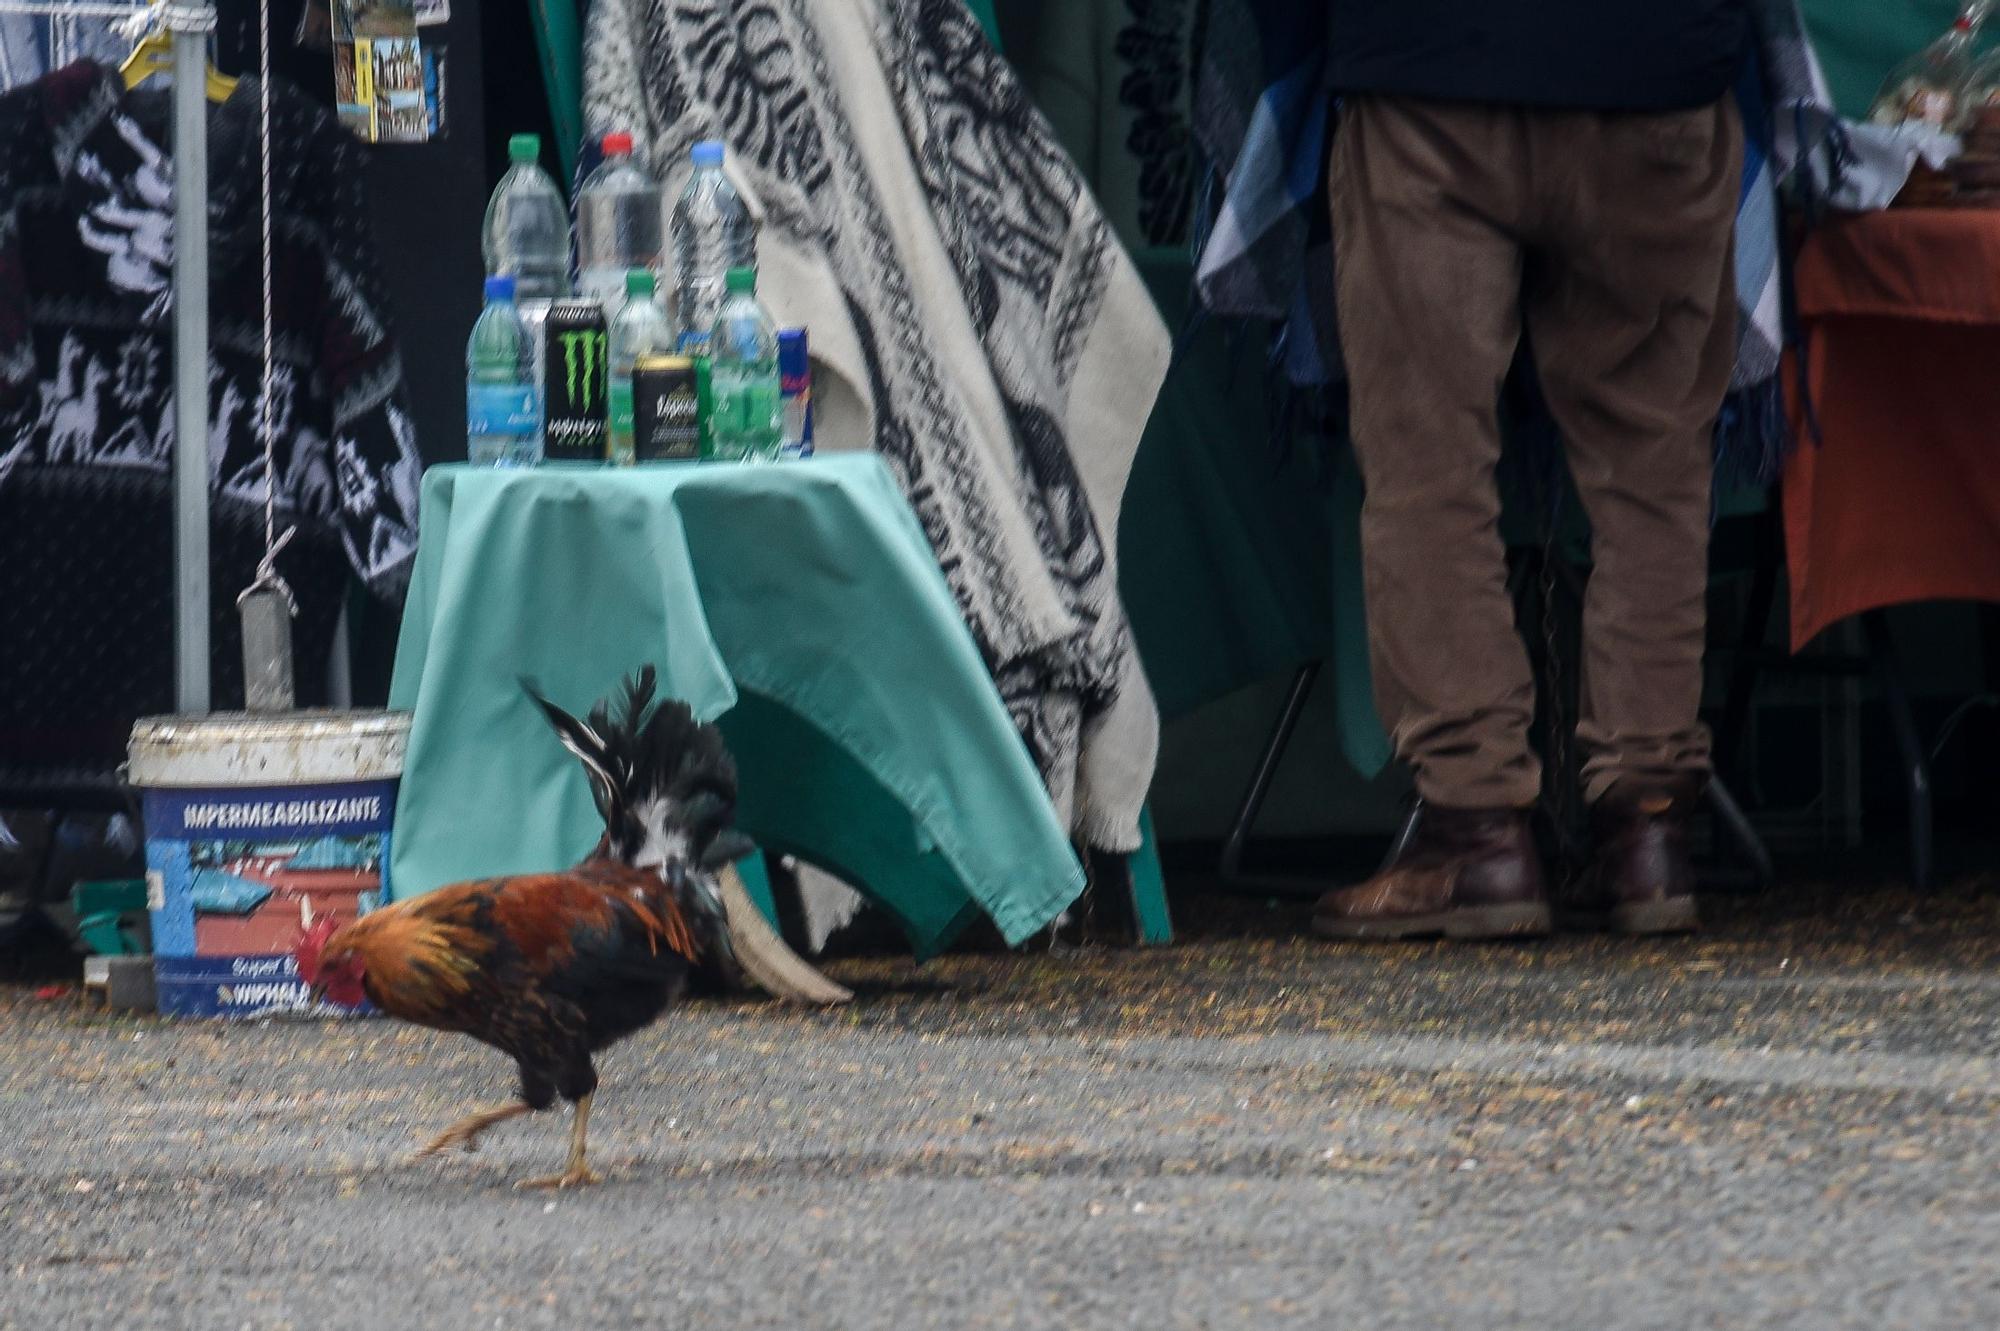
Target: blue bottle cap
708	152
500	288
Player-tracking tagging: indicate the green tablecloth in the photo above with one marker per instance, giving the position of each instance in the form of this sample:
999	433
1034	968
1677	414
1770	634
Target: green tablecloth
800	604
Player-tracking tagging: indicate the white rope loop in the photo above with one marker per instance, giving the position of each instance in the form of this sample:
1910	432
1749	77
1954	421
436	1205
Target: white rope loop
268	577
267	571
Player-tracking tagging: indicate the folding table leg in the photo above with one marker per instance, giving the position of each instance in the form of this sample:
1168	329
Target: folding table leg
1267	769
1743	671
1730	818
1916	764
1404	833
1149	886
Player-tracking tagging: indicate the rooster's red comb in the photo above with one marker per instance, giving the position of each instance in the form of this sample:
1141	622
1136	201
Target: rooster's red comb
312	942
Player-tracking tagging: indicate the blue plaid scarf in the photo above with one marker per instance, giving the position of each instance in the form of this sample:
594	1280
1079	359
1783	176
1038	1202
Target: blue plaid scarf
1263	113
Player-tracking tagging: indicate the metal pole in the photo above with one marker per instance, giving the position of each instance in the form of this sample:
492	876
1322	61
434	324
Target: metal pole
190	25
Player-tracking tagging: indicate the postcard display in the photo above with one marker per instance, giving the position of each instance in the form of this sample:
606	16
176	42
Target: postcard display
388	81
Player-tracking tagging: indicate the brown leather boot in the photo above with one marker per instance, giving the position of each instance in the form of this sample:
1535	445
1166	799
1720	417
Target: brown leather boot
1641	878
1467	873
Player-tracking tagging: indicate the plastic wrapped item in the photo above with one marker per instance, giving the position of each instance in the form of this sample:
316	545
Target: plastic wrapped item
1982	92
1975	172
1932	86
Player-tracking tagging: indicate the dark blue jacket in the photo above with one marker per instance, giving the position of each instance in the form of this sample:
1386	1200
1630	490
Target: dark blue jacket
1599	55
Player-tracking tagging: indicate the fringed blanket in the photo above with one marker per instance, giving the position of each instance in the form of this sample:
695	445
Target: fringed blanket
971	317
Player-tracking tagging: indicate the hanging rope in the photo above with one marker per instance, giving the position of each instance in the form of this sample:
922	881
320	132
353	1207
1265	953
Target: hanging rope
267	425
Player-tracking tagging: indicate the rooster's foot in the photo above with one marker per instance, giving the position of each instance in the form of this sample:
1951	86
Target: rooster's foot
466	1132
578	1177
576	1174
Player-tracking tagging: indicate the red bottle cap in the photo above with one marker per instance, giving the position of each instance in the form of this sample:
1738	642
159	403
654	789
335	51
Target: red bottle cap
618	145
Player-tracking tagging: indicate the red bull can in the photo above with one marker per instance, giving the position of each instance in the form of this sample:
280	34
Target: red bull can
795	392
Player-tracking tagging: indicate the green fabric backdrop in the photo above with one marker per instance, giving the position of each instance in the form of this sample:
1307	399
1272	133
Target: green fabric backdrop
1859	40
983	11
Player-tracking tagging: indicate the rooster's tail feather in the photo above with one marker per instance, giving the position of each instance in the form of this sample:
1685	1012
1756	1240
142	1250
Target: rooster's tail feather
666	786
658	775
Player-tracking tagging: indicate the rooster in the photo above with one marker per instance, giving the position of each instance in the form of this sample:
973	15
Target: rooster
550	968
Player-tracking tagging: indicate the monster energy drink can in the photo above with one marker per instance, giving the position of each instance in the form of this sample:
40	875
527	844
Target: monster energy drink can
574	382
665	417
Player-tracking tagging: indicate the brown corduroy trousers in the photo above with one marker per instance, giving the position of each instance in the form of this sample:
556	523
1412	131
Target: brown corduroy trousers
1608	239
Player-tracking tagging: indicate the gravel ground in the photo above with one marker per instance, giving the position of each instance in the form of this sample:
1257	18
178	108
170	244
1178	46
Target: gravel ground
1793	1121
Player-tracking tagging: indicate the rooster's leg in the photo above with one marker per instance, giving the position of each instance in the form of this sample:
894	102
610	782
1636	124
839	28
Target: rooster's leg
575	1173
466	1131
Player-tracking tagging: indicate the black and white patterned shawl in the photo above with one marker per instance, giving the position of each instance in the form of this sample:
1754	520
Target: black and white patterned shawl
86	303
845	120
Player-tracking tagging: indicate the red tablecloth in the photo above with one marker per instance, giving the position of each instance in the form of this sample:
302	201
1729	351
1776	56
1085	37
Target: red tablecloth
1899	498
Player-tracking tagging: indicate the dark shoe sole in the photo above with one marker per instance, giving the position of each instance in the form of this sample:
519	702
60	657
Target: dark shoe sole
1530	920
1674	915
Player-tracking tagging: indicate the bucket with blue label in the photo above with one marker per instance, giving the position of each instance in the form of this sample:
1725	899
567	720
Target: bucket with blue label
257	825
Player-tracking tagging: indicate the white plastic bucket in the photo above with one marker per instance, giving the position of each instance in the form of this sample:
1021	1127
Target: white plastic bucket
256	822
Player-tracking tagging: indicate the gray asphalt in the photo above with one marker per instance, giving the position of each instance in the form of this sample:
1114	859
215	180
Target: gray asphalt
1791	1122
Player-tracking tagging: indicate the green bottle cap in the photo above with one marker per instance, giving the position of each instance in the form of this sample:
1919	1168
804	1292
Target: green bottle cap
524	148
639	282
742	281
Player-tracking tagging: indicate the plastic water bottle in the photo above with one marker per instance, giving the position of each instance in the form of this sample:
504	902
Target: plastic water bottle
502	412
746	413
641	329
617	224
712	233
527	226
